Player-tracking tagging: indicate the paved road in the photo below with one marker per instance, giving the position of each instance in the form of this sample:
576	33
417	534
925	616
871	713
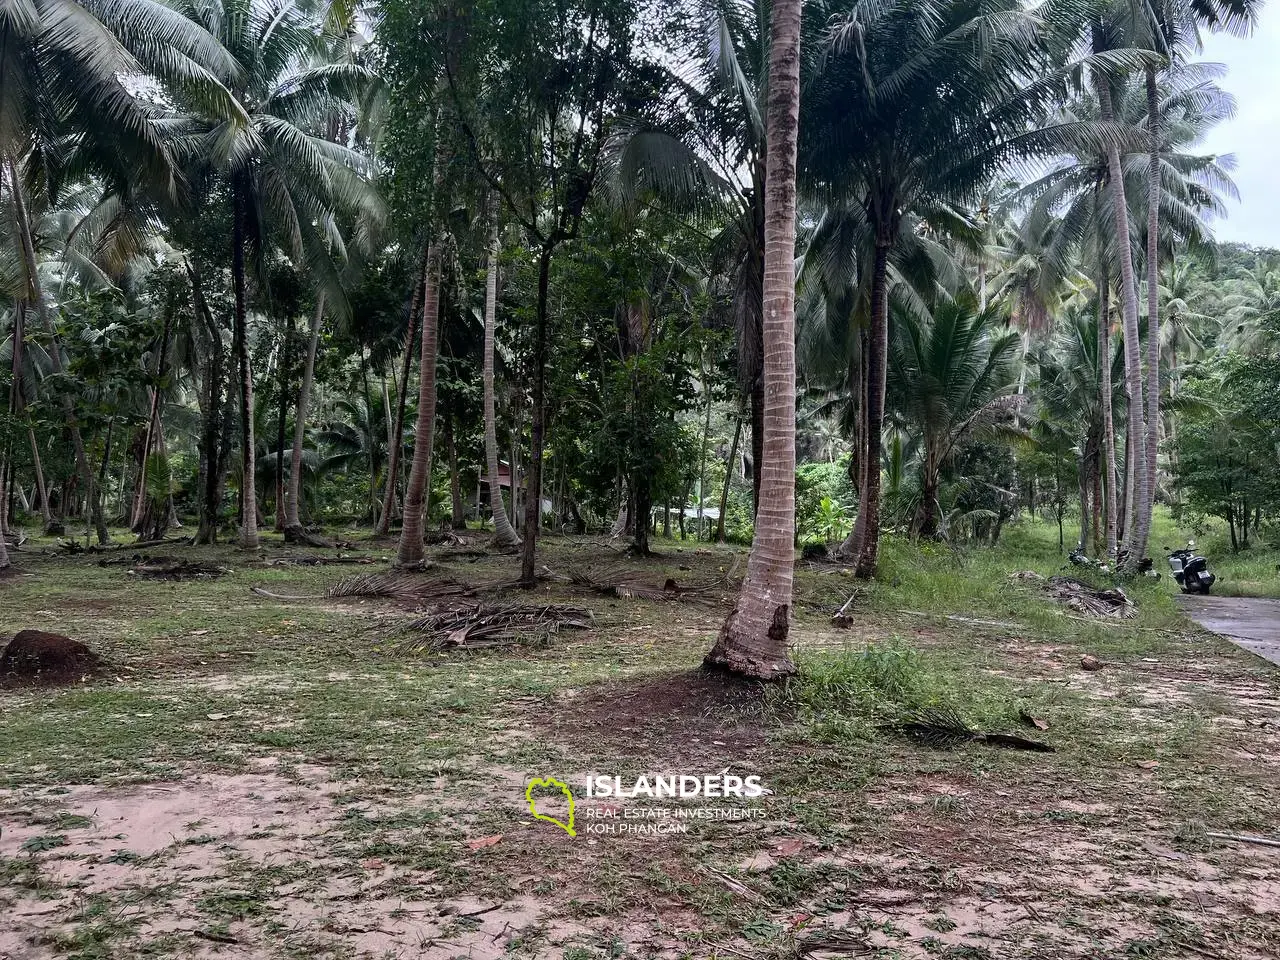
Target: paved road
1245	621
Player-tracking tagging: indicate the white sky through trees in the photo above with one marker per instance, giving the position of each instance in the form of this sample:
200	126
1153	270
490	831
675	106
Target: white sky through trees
1253	135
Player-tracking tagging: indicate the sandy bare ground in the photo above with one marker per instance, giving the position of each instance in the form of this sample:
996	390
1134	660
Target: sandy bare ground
285	784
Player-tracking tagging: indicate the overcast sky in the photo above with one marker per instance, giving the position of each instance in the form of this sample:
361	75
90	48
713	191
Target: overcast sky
1253	76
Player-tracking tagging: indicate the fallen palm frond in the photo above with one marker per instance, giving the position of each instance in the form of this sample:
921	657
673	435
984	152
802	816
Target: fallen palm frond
398	585
629	584
1111	602
475	626
307	561
168	568
943	728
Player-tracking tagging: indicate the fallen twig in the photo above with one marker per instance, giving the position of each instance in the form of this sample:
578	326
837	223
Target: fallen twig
476	626
215	937
1245	838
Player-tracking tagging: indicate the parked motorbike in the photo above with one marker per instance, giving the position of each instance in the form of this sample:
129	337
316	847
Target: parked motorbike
1190	570
1078	558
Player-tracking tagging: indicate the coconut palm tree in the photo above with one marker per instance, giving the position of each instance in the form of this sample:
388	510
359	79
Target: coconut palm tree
288	185
947	372
753	640
701	149
1169	28
64	71
1252	300
503	533
889	78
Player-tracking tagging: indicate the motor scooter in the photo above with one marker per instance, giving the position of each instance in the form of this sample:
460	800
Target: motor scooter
1190	570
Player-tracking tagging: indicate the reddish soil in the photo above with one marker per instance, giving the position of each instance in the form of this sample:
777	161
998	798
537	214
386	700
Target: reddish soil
47	659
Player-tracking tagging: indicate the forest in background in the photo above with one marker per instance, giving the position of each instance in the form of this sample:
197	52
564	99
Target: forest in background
233	234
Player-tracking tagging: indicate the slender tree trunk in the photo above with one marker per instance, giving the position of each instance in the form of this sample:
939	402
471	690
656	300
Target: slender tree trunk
702	462
728	476
504	534
281	495
402	396
1108	415
42	491
1135	530
851	548
537	427
1152	438
141	506
35	295
757	442
294	532
877	380
19	341
248	466
753	640
212	434
412	548
457	511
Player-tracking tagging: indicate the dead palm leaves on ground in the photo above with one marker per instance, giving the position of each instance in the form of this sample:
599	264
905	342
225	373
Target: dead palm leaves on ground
399	585
305	560
171	568
1111	602
476	626
942	727
1079	596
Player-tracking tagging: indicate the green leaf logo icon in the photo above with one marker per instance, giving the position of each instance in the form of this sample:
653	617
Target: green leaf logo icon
554	784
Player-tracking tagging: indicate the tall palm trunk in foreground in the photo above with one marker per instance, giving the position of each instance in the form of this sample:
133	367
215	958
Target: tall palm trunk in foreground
412	552
1151	449
248	475
503	533
293	529
753	640
1135	539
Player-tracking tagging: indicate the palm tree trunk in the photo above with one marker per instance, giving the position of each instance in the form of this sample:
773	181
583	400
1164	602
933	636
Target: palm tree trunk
1152	438
412	549
212	436
457	510
503	533
402	396
248	468
42	489
294	532
728	475
140	519
753	640
1108	415
36	297
1136	531
537	425
877	381
851	548
286	349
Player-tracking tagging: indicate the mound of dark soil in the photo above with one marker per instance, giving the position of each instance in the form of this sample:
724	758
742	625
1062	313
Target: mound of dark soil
34	656
677	716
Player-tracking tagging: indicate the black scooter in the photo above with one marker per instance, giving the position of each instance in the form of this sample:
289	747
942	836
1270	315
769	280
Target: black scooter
1190	570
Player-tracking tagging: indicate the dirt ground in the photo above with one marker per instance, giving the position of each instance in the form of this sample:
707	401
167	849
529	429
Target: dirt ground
261	778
